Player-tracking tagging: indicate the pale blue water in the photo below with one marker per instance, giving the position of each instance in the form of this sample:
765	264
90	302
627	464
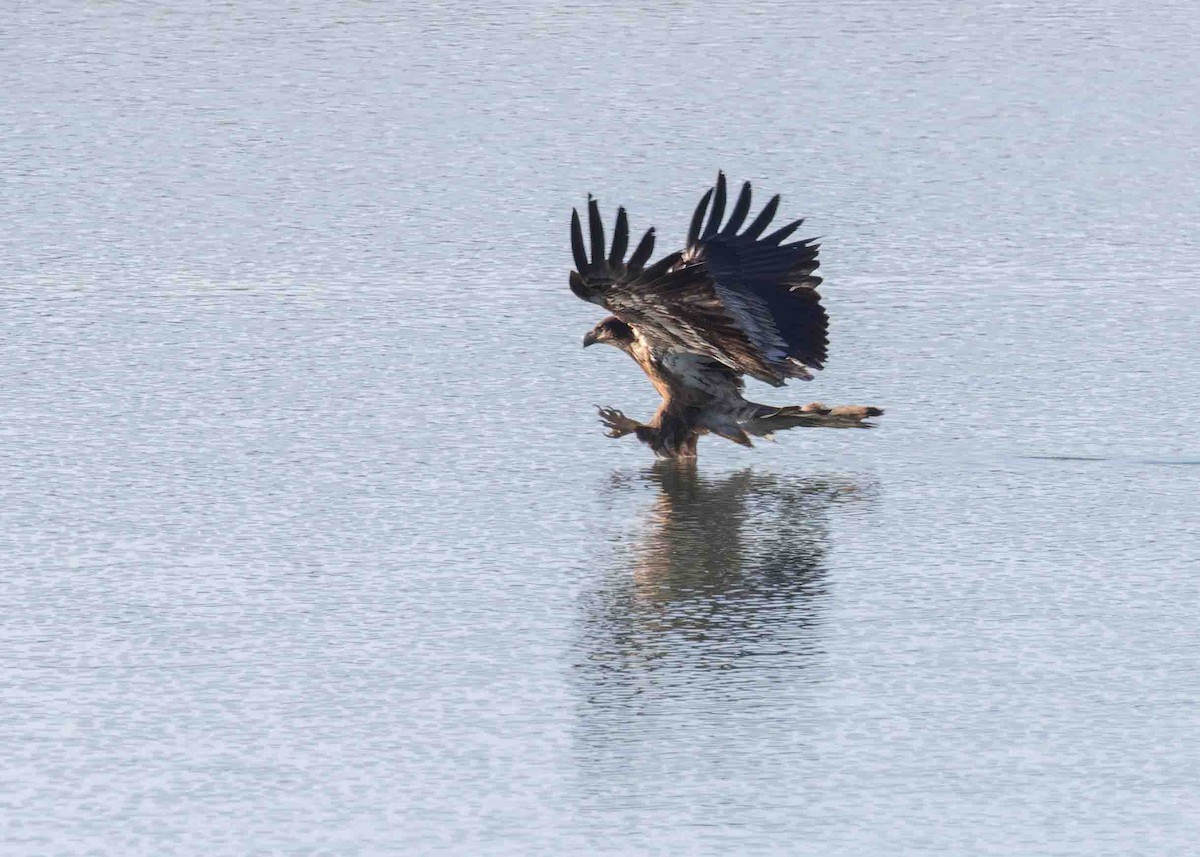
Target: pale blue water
312	543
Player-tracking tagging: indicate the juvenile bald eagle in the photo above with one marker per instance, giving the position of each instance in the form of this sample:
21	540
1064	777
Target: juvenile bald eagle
729	304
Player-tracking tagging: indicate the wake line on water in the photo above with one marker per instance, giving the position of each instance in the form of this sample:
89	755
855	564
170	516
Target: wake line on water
1165	462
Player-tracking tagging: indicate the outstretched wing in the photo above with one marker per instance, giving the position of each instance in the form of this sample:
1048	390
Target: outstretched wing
769	287
673	306
745	301
594	279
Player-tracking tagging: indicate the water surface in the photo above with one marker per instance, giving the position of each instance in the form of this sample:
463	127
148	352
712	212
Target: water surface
312	543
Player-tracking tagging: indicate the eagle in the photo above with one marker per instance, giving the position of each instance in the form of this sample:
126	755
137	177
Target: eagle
731	303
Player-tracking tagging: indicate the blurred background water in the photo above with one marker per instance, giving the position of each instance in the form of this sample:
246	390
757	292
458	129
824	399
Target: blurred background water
311	540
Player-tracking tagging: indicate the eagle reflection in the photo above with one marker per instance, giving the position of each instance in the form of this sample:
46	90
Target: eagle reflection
728	575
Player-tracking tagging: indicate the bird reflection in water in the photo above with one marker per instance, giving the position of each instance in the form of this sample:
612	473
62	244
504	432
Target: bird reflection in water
727	575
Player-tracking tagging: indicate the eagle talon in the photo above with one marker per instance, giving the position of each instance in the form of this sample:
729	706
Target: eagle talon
617	423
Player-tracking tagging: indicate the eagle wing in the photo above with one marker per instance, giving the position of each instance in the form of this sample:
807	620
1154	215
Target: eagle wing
748	302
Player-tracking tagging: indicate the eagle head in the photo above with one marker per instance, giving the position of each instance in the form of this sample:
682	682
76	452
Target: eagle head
613	331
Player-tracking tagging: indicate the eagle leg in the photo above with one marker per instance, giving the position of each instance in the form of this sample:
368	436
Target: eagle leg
617	423
670	438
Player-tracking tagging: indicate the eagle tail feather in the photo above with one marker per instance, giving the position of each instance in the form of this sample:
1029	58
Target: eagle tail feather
763	420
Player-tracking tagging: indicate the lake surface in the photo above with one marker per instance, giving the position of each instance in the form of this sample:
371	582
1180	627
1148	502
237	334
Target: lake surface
312	542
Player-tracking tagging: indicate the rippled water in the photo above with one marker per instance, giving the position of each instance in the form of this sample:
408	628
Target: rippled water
312	543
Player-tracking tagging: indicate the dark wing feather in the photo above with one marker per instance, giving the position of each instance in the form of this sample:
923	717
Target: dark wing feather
772	291
718	208
577	250
596	228
675	306
778	235
698	218
769	287
740	209
764	218
644	248
594	277
749	303
620	239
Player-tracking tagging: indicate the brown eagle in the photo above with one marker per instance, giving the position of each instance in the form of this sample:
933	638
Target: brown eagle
729	304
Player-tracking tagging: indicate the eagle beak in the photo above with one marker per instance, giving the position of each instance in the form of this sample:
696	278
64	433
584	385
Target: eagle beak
590	339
